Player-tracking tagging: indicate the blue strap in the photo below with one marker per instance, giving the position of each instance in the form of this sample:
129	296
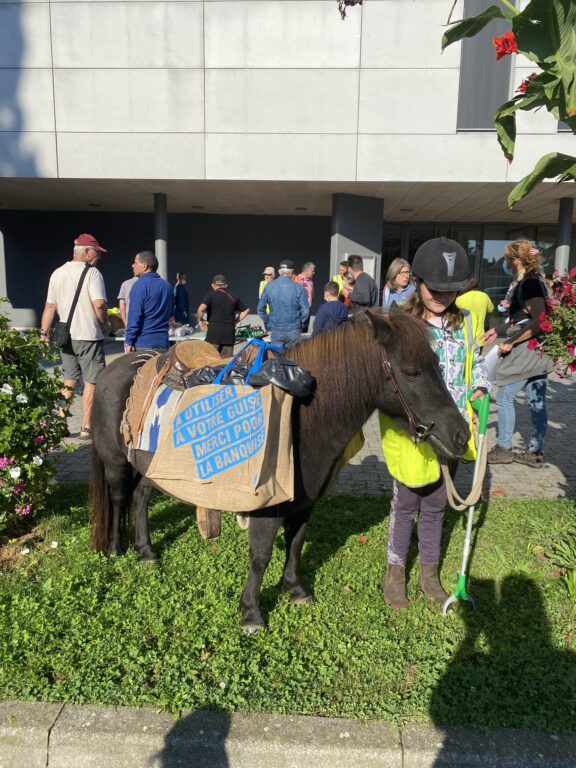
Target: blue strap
263	347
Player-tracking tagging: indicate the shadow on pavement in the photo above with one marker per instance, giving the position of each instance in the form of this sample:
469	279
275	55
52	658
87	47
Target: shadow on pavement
197	739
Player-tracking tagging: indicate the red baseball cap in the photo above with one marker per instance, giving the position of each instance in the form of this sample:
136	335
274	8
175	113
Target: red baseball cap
89	241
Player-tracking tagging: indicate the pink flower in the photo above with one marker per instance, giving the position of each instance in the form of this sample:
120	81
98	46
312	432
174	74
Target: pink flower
19	487
25	510
39	439
572	365
42	423
5	462
572	273
533	343
546	326
570	348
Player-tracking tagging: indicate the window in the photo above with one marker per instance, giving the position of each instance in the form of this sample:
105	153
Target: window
484	82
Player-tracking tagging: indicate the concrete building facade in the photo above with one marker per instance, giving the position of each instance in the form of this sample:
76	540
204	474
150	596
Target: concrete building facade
272	128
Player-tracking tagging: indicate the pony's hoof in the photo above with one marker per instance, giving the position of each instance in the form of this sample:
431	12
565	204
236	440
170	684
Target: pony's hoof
303	600
251	629
147	556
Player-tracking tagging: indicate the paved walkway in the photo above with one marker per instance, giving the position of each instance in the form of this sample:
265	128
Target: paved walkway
367	474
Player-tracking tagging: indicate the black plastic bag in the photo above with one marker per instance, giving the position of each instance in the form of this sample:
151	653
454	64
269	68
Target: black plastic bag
285	374
208	373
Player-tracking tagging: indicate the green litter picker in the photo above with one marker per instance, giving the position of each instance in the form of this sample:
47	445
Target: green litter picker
482	406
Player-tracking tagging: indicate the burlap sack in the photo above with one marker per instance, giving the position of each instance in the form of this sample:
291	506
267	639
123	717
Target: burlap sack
227	448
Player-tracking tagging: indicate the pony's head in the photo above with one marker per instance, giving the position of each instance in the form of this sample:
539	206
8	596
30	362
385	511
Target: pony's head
422	398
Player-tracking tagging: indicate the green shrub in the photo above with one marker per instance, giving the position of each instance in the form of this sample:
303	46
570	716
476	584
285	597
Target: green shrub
30	427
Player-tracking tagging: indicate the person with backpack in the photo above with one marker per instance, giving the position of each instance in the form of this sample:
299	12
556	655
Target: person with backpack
419	492
520	367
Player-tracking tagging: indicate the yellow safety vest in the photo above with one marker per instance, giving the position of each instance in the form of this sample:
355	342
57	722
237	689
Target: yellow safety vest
416	464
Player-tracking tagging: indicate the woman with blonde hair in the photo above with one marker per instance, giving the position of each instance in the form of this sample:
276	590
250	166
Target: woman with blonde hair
398	285
520	367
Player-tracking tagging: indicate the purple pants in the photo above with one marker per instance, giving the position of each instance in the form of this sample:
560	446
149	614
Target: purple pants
427	504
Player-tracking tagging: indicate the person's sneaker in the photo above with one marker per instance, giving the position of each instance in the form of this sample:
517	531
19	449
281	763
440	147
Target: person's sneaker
530	459
499	455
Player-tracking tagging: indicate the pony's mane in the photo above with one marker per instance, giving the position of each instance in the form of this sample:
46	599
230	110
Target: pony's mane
346	353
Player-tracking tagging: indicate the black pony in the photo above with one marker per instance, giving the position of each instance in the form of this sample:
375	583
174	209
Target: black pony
350	365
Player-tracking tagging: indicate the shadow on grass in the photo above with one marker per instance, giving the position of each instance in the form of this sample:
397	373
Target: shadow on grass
169	519
506	672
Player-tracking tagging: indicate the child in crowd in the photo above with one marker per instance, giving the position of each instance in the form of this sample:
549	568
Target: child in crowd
441	270
332	312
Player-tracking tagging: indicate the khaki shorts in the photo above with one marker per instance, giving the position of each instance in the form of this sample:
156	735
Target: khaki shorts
84	358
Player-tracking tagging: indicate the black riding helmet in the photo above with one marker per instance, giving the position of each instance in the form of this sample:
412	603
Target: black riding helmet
442	264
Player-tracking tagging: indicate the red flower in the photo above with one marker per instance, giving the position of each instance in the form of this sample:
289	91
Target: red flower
526	82
572	273
533	343
572	366
546	326
570	348
505	44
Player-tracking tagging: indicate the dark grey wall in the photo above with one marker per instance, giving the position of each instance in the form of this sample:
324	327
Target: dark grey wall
199	244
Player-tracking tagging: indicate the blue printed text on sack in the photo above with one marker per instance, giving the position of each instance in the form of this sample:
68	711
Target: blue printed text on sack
222	429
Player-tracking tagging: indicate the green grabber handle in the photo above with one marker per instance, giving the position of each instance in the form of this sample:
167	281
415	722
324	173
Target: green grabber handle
482	407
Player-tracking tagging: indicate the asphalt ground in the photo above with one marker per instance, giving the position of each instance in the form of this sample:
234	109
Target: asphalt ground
52	734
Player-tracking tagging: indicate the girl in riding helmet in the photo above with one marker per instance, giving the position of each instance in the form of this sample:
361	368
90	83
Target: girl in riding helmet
419	492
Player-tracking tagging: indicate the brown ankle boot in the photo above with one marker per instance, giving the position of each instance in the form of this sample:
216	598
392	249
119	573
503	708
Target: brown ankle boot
395	587
429	582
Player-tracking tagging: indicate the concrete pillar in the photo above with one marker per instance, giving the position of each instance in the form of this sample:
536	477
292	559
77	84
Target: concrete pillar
161	233
562	255
357	230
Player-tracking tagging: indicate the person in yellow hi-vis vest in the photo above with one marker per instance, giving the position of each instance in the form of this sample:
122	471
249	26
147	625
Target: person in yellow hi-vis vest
441	269
269	274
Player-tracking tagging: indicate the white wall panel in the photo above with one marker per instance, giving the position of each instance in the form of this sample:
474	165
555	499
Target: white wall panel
403	33
529	149
286	158
26	101
129	100
281	101
31	155
127	34
25	35
408	100
299	33
130	156
462	157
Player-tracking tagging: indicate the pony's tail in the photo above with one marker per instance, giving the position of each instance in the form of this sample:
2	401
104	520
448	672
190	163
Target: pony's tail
101	518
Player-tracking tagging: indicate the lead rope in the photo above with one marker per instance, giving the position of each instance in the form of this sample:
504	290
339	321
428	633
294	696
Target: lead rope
454	498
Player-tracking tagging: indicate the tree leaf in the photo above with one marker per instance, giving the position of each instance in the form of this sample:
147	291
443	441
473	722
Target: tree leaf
545	30
471	26
551	166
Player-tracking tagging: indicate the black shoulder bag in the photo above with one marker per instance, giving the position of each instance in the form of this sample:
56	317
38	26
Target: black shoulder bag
61	331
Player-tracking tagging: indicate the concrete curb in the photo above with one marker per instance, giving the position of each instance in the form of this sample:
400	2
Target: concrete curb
34	735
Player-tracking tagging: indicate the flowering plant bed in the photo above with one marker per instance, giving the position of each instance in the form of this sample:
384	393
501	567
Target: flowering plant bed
558	325
30	427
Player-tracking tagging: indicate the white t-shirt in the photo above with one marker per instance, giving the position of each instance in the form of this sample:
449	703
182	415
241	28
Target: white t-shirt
61	290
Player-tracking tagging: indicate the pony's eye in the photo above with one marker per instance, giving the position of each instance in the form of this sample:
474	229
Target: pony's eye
411	373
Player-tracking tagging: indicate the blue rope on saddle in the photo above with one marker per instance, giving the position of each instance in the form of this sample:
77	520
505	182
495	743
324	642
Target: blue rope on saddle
263	347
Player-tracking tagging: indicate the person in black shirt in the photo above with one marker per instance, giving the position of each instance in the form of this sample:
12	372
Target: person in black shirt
521	367
364	294
223	311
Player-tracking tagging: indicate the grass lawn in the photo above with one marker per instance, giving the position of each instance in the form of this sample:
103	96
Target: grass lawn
79	627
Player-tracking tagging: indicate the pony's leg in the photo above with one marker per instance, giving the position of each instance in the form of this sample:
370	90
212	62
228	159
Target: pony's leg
142	544
118	477
295	527
263	531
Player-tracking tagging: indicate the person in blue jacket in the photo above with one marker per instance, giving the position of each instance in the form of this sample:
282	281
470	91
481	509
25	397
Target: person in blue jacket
151	305
332	312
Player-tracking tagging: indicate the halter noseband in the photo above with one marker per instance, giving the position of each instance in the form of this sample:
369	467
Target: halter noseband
419	432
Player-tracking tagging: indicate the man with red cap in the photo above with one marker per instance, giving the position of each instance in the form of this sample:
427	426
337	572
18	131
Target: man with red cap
83	355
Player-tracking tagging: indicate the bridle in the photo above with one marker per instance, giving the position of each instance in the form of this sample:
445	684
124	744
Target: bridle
418	431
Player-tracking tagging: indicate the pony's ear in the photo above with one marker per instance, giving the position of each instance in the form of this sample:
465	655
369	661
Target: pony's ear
383	333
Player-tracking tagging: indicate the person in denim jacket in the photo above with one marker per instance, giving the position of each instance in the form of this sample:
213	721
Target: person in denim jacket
288	304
